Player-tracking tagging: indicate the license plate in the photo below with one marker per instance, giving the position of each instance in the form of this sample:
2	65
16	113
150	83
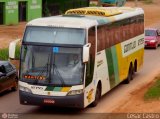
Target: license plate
49	101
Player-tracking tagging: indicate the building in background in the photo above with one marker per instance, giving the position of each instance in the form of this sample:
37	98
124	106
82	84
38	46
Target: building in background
15	11
55	7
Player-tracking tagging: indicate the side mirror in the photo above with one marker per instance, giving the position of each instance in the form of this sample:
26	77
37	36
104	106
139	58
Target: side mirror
86	52
12	48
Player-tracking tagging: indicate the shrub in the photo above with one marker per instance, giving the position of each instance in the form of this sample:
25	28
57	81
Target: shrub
154	91
4	54
17	52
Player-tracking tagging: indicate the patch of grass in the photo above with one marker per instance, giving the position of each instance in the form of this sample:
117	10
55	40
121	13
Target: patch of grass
93	5
154	91
17	52
4	54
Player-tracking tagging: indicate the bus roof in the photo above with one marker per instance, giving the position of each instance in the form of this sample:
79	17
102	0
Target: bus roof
85	21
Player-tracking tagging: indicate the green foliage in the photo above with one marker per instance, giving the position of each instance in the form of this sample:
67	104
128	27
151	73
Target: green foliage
17	52
154	91
93	5
148	1
4	54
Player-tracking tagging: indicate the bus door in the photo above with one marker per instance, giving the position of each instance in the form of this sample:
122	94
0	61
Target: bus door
90	69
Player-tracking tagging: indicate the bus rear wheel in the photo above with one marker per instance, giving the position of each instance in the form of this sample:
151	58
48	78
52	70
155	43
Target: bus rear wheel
97	96
130	75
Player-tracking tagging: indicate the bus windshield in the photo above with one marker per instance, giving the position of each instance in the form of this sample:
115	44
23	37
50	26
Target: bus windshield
51	65
55	35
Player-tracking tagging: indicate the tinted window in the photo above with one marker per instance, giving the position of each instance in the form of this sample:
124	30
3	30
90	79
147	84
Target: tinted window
55	35
119	31
150	33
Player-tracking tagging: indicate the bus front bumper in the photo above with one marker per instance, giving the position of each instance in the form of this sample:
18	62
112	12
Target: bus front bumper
76	101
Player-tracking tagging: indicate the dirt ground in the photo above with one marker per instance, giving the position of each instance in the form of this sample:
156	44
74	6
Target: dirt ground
10	33
152	15
137	104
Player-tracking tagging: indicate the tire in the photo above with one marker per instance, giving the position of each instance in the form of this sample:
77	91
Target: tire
97	96
130	75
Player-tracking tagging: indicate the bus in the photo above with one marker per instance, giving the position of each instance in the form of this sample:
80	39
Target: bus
118	3
73	59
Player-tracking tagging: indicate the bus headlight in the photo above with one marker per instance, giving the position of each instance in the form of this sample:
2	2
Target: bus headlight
25	89
75	92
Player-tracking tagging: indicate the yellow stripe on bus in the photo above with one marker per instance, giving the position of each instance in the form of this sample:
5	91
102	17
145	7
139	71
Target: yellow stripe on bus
65	89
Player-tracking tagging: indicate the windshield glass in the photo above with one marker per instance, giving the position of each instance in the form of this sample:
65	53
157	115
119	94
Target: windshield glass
150	33
55	35
51	65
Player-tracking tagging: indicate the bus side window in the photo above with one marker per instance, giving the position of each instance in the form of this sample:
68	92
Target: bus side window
106	38
90	64
141	23
101	38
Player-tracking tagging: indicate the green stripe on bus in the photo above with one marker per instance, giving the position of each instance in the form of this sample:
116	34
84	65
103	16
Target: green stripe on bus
57	88
110	67
49	88
115	64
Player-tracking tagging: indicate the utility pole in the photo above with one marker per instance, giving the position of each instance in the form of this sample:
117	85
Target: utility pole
136	3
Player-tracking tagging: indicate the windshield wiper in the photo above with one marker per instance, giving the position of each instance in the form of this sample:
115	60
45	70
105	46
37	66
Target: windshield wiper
60	76
44	70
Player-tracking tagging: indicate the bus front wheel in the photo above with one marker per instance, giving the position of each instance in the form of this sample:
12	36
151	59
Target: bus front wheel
97	96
